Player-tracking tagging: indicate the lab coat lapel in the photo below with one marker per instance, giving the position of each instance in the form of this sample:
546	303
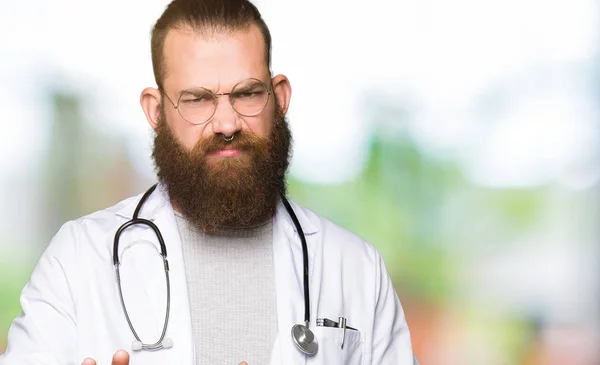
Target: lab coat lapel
180	327
159	210
287	251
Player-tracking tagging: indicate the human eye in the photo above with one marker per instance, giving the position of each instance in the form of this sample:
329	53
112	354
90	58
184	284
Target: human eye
196	98
247	94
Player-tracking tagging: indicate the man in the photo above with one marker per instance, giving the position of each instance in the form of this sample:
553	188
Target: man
245	268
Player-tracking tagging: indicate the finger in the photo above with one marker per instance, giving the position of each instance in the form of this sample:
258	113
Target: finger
121	357
243	363
88	361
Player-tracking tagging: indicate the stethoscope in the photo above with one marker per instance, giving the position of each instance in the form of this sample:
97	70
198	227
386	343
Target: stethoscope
302	336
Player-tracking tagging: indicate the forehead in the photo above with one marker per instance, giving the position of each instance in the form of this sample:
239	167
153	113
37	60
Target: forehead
216	61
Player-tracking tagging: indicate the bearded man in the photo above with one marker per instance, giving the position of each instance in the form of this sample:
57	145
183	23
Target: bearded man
213	265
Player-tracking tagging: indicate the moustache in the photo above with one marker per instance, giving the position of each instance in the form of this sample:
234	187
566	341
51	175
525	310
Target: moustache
243	141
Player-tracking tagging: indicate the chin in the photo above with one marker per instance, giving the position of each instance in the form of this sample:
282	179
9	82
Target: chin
229	162
237	165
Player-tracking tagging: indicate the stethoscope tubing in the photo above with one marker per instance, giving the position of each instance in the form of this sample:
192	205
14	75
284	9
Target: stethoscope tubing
288	207
163	252
135	220
158	344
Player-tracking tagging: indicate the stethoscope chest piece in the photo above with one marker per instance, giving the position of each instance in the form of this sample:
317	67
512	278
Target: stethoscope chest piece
304	339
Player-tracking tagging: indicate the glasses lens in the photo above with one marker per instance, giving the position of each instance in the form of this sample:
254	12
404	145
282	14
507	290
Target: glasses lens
249	97
197	105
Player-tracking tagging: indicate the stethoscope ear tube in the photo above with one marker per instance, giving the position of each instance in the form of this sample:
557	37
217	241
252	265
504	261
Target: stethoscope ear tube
163	342
134	220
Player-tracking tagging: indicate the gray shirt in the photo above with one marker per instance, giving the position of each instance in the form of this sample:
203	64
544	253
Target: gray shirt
231	285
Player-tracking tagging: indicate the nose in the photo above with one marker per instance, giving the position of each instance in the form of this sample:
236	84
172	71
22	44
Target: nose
225	121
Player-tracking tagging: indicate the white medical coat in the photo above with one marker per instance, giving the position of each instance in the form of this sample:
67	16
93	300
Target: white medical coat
72	310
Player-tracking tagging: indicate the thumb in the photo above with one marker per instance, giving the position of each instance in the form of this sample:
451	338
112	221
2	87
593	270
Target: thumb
243	363
121	357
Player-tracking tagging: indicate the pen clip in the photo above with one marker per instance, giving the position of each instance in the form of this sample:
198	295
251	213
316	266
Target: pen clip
342	325
326	322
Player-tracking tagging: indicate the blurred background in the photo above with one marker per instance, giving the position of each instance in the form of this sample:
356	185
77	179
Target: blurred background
461	138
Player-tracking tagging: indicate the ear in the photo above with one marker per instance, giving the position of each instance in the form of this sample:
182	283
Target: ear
283	92
150	101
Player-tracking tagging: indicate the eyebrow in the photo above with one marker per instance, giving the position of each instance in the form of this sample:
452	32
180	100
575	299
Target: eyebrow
181	92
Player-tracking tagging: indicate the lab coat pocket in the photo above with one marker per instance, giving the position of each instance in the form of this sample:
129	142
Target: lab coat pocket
330	350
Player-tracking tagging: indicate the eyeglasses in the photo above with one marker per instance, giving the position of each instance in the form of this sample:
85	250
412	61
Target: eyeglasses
197	106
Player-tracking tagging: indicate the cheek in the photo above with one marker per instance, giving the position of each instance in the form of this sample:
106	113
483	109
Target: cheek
187	134
260	125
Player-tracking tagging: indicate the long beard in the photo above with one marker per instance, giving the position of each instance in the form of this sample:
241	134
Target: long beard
233	192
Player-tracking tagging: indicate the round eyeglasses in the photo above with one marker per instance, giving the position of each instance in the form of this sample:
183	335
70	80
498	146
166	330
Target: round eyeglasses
197	106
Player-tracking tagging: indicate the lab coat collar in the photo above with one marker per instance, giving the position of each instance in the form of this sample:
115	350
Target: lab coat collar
156	201
159	199
307	225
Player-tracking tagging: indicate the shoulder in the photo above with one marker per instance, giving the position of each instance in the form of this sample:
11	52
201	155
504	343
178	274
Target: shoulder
91	227
337	239
109	216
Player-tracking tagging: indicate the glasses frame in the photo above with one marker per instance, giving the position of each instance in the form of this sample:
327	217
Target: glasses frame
215	97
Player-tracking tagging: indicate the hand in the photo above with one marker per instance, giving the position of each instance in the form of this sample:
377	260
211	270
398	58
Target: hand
121	357
243	363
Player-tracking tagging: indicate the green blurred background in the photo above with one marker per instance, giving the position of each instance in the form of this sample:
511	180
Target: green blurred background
460	138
